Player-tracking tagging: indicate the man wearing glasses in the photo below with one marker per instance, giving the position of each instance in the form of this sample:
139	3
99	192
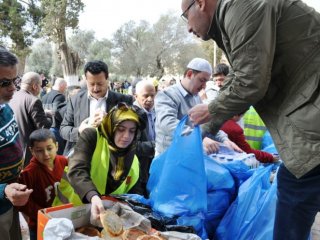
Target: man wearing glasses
273	47
11	154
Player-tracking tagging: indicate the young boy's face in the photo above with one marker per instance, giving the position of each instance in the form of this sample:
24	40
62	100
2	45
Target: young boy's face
45	151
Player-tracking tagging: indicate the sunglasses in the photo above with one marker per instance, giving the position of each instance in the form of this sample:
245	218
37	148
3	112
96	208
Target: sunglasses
5	82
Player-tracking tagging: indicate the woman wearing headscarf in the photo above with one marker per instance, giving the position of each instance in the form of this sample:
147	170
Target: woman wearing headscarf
104	161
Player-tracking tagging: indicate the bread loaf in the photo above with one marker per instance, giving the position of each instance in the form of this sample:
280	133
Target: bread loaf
149	237
132	234
89	231
112	223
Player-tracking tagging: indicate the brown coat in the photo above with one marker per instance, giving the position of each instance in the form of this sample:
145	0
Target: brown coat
30	116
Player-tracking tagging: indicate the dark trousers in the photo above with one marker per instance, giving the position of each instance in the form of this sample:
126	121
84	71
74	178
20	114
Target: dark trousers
297	205
10	225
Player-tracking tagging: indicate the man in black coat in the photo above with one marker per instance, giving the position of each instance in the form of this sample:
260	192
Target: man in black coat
145	93
87	108
53	101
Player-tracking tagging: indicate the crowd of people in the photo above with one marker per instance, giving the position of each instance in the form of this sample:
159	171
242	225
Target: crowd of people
94	141
76	144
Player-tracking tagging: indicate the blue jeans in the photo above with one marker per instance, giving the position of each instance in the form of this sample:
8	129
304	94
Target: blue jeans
297	205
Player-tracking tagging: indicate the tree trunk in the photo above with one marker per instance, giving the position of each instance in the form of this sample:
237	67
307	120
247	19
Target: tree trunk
70	64
22	53
21	65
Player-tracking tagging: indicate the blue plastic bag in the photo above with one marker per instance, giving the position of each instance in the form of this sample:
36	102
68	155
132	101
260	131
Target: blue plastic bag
267	144
218	176
177	183
218	203
239	171
252	214
182	187
221	190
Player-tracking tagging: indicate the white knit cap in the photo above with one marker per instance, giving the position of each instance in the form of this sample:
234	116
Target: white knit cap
200	64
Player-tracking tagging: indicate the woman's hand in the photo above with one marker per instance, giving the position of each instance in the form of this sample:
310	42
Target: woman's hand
96	207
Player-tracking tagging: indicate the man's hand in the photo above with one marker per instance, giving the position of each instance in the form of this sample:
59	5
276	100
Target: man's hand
199	114
231	145
98	117
96	207
210	146
49	113
84	124
17	194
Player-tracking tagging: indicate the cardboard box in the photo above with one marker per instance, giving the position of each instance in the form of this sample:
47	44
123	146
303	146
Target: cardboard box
80	216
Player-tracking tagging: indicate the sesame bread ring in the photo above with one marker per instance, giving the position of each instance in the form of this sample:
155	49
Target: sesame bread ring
89	231
132	234
149	237
111	222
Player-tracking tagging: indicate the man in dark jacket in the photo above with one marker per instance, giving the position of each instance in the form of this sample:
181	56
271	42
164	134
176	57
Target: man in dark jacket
87	108
53	101
273	47
145	93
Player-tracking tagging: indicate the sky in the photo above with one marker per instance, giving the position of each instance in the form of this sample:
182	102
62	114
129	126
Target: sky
104	17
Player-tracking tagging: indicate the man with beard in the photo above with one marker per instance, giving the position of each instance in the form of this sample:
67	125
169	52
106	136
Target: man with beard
174	102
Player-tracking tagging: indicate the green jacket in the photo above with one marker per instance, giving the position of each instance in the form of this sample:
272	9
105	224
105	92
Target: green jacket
273	47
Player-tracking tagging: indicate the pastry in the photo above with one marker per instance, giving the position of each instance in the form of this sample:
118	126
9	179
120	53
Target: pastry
132	234
111	222
89	231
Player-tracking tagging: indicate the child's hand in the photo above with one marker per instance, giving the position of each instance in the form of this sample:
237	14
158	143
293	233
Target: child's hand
210	146
17	194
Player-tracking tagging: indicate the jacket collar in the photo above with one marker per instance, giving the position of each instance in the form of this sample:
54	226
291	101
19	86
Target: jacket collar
215	29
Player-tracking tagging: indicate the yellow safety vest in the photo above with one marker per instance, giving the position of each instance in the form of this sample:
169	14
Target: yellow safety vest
254	128
99	175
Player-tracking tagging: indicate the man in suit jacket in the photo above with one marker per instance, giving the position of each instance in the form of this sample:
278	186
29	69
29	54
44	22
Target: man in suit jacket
28	110
145	93
87	108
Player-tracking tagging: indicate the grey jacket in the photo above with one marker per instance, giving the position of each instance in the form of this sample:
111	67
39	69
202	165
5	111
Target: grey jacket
171	105
275	57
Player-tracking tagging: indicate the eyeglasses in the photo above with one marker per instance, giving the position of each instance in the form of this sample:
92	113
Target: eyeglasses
184	15
5	82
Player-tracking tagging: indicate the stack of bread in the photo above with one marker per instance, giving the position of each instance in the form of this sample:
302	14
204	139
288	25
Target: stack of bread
113	229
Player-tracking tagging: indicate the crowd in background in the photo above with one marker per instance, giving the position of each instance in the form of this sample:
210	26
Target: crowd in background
99	137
